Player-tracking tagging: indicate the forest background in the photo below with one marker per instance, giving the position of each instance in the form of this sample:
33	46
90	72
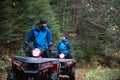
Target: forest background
92	27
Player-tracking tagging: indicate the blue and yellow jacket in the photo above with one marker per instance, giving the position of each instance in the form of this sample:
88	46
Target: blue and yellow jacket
42	38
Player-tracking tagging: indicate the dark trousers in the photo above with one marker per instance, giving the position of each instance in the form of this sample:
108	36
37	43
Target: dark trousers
46	54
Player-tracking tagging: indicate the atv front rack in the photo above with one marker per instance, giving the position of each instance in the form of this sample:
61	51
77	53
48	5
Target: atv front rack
34	65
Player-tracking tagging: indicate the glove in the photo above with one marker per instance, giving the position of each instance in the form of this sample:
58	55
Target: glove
25	46
50	50
50	45
70	51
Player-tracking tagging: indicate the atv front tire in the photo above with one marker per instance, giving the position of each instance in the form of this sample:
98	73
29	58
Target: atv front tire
11	75
53	75
72	74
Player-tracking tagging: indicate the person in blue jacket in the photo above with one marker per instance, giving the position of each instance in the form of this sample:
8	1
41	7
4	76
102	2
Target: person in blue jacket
64	46
41	36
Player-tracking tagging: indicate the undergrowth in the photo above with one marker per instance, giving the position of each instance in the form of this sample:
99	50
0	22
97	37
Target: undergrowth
102	74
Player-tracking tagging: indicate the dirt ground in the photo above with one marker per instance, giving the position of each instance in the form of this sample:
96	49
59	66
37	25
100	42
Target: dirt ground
79	73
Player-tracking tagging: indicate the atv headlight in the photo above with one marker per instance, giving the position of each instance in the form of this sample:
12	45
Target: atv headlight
36	52
62	55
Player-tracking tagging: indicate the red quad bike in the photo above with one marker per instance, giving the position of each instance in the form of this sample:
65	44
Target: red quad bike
67	65
34	68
